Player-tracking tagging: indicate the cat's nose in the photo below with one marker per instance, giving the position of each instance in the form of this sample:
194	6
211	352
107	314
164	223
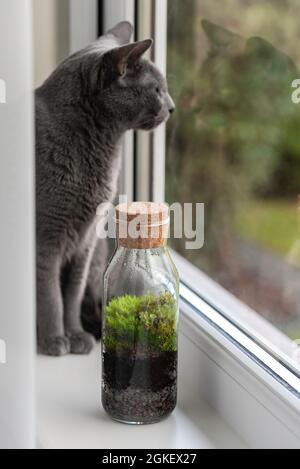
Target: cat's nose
171	104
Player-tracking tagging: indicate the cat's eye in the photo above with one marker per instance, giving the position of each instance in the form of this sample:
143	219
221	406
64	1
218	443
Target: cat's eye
157	89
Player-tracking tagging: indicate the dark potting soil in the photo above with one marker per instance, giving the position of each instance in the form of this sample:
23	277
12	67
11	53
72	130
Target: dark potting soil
141	389
153	371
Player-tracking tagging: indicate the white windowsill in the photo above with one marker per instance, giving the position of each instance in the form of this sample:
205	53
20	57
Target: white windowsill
245	393
225	399
70	413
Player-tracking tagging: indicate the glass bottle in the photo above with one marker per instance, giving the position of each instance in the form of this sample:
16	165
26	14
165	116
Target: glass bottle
140	318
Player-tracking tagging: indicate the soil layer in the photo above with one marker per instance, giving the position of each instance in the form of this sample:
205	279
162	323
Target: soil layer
139	388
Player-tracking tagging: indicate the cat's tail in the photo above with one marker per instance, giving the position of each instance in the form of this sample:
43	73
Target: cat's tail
91	314
91	308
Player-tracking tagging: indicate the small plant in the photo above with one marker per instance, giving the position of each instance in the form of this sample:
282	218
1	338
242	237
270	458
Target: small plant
149	321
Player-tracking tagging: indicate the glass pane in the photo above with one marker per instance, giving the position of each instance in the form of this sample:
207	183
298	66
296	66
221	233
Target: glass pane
234	145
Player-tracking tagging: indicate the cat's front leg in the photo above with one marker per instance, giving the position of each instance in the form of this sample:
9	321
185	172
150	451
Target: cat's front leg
91	305
50	326
81	342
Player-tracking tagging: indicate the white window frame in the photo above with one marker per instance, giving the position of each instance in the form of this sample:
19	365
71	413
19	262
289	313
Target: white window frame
150	151
125	11
251	388
246	384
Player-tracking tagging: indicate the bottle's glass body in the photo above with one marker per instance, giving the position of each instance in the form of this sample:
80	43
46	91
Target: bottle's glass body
139	343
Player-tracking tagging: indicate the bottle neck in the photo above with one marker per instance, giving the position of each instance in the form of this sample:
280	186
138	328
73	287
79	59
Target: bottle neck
149	246
142	244
145	237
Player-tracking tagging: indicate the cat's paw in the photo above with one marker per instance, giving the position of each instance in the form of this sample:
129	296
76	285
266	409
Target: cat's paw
81	343
55	346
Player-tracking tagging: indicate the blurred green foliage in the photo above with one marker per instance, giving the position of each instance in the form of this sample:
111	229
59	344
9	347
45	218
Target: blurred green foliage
272	224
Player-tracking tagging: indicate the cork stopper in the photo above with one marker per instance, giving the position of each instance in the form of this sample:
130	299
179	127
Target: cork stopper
142	225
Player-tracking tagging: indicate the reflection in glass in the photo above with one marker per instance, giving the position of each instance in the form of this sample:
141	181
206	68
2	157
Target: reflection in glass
234	145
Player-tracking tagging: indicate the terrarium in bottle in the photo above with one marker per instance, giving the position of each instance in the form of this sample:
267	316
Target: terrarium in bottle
140	317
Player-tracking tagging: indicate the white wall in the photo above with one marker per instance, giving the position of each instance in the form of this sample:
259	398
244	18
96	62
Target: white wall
17	284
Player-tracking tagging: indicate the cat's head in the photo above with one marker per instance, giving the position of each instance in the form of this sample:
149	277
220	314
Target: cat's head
248	76
118	83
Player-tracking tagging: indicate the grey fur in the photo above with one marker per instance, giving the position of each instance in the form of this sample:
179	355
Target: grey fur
82	111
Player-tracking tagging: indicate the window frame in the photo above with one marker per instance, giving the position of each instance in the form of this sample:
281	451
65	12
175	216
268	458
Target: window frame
258	371
110	16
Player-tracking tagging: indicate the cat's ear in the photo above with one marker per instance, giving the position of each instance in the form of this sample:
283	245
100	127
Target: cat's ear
122	31
127	55
218	36
260	48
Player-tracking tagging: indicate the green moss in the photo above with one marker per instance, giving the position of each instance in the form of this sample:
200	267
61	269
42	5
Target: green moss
148	321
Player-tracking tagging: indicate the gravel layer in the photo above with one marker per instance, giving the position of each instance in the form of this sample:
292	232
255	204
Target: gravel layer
139	405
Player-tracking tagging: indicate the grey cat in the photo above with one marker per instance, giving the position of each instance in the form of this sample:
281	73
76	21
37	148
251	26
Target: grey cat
82	111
